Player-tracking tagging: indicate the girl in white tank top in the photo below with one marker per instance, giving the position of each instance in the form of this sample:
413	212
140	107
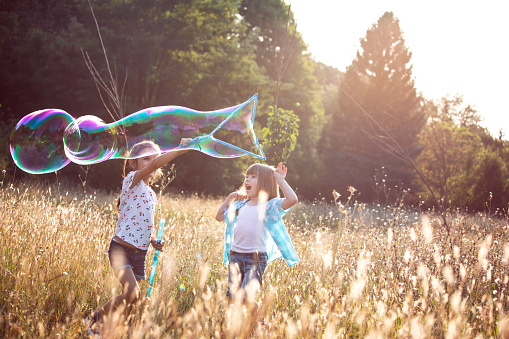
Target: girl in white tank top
251	223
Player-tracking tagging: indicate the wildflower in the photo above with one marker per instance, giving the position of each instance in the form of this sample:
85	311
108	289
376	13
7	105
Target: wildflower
336	195
413	235
427	230
389	235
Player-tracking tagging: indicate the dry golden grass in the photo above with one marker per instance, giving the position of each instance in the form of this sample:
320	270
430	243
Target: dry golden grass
364	272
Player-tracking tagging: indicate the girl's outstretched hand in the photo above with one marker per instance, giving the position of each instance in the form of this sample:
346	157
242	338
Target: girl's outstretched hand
231	197
280	172
290	198
185	141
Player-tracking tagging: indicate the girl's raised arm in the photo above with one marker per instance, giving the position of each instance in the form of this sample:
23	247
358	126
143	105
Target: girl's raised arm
158	162
231	197
290	196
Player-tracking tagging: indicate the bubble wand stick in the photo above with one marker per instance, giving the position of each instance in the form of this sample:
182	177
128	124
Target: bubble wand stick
156	255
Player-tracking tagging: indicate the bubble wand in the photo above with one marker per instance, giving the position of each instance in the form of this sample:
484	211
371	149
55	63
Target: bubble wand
156	255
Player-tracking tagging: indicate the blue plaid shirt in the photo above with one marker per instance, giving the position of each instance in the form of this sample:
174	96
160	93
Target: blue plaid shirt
278	241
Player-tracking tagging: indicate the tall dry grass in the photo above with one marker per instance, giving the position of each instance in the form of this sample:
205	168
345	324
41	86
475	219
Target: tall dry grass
365	271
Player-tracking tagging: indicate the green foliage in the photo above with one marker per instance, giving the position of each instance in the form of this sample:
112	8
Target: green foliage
200	54
280	135
42	65
463	164
207	55
448	160
300	89
491	184
454	109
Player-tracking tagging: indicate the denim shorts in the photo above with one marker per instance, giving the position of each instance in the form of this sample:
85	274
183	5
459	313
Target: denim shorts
250	266
122	256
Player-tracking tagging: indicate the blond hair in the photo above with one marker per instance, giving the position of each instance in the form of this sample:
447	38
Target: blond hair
266	180
141	149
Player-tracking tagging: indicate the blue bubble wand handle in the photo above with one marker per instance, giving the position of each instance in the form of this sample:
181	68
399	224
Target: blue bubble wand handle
156	255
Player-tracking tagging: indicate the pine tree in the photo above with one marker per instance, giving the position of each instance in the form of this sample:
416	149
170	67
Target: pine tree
379	83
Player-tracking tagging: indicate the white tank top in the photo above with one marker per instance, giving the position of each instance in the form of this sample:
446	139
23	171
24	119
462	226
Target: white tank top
249	234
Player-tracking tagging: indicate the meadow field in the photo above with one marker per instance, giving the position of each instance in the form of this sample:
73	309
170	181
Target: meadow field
365	271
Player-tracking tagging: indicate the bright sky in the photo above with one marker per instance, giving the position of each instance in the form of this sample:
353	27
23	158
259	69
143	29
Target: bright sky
458	46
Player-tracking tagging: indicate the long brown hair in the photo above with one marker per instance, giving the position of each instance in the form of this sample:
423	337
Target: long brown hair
266	180
143	148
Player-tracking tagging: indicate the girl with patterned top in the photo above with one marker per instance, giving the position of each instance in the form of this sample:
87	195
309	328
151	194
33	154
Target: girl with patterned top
255	233
134	229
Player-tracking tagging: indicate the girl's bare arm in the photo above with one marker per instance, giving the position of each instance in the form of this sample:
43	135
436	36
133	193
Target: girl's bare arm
158	162
290	196
231	197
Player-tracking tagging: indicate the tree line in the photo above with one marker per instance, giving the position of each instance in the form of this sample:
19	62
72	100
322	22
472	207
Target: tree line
210	54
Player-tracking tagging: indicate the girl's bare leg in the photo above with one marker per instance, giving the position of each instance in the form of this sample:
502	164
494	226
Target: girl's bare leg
130	294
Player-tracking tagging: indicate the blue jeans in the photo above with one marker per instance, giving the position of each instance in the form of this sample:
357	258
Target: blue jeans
122	257
245	268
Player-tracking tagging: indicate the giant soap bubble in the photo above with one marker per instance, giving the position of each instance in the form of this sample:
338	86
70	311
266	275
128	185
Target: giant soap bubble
47	140
36	143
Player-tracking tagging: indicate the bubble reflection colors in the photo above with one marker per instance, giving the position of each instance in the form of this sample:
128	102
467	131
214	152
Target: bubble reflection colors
36	142
45	141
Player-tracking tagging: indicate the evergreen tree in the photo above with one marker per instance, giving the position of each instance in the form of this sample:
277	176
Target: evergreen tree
378	83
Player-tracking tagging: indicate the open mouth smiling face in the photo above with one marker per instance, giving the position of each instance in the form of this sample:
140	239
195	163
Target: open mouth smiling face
250	184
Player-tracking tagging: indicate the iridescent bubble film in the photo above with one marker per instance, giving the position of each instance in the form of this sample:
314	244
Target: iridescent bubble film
36	142
46	141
